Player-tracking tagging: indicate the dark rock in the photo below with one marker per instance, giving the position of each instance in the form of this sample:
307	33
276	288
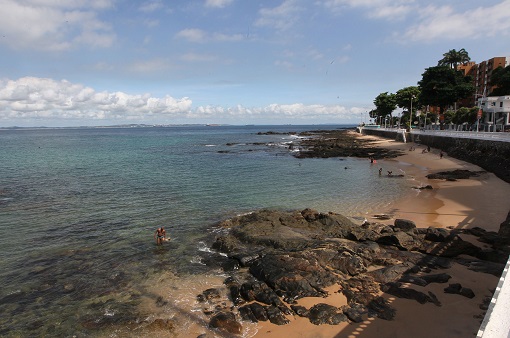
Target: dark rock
397	291
247	314
436	278
298	254
492	268
400	239
356	312
225	244
381	308
296	276
246	259
457	288
437	234
209	295
260	292
235	295
426	279
340	143
301	311
454	247
404	224
276	316
226	321
391	273
325	314
455	174
413	279
259	312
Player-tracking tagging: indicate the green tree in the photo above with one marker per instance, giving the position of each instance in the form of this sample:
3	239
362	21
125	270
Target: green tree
385	104
453	58
501	79
441	86
407	98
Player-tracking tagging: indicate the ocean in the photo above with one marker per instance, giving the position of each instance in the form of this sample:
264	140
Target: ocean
79	207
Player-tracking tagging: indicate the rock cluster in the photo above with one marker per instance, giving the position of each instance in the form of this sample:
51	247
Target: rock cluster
341	143
282	256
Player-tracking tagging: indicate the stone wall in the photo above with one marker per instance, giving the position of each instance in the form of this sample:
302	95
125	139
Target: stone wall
493	156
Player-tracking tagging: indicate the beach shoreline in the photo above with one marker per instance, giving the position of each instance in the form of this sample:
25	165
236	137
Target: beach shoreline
476	202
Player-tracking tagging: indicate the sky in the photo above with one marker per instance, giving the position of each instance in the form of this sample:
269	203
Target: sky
109	62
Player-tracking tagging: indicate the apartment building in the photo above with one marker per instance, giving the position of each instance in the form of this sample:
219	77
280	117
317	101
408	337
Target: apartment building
481	74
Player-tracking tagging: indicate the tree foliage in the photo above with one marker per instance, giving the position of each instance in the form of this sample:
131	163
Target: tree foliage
385	104
501	78
405	96
442	86
453	58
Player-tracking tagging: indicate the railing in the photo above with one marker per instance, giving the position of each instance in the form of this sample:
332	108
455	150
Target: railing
496	136
496	323
482	135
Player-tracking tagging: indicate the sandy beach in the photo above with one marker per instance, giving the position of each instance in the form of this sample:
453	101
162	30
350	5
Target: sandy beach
477	202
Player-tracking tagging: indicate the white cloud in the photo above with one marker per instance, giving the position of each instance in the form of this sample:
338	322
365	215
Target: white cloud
218	3
150	66
31	97
43	99
382	9
194	57
445	23
282	17
151	6
198	35
54	25
278	113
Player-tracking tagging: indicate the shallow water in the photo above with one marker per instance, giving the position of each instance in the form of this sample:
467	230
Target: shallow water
78	209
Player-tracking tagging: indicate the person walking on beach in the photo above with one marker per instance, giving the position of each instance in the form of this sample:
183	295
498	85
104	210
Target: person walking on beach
441	154
160	236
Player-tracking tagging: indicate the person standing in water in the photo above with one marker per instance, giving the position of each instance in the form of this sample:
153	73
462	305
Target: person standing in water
160	236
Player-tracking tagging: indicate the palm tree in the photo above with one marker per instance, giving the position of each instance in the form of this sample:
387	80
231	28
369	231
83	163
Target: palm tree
453	58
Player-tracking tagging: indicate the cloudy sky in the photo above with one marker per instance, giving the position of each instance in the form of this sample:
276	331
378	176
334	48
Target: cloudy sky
101	62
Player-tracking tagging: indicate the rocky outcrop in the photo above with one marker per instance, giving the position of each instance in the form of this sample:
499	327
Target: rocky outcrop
453	175
341	143
285	256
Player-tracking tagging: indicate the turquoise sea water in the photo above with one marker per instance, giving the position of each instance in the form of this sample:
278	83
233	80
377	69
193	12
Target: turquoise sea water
78	209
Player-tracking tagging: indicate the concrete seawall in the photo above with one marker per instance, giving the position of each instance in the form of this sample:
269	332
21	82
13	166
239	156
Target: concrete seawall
491	155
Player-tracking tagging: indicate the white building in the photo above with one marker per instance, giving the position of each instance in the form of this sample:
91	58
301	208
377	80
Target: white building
497	111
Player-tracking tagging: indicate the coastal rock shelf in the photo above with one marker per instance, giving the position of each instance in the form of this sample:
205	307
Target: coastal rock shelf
278	257
341	143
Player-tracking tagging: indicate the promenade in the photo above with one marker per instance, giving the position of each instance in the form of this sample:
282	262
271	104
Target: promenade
482	135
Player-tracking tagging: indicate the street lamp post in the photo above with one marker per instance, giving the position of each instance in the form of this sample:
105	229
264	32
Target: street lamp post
411	113
494	117
426	113
479	115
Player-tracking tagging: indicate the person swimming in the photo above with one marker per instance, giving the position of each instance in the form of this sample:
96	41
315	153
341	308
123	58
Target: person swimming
160	236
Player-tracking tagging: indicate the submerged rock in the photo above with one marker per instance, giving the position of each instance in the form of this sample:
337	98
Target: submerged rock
226	321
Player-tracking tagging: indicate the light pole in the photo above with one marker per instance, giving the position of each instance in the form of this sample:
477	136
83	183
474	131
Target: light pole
426	113
494	117
411	113
479	114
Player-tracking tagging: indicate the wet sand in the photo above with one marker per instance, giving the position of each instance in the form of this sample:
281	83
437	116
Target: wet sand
477	202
